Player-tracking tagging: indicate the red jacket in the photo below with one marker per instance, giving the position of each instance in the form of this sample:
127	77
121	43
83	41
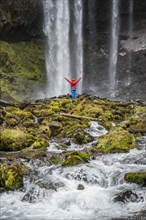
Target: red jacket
73	82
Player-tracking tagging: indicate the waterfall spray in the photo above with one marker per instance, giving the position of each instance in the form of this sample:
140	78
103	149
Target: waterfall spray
130	40
92	38
114	46
58	52
78	41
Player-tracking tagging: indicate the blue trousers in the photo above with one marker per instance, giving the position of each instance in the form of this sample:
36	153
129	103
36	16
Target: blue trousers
73	92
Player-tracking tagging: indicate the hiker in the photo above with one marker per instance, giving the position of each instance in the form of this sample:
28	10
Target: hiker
73	83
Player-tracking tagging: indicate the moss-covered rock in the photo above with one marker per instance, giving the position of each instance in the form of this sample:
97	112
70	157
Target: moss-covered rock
75	158
44	129
14	139
56	160
117	140
81	187
11	175
136	177
41	143
55	127
138	120
82	137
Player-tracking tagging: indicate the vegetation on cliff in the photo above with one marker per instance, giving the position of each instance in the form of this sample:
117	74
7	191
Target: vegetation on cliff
22	68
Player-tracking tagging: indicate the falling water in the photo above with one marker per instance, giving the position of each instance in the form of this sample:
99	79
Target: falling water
114	46
58	54
130	40
78	49
92	39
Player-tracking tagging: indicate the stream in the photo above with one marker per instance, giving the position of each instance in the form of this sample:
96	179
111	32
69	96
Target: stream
95	190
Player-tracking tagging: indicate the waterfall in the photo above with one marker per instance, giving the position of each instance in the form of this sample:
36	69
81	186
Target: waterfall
114	46
92	39
58	53
130	40
77	64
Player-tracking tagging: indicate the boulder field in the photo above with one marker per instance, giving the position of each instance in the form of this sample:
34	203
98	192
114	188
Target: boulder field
27	129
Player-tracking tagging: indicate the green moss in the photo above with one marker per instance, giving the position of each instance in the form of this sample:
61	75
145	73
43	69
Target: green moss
75	158
30	123
81	187
27	150
137	120
12	175
117	140
136	177
14	139
140	110
22	67
44	129
55	160
40	112
40	143
81	137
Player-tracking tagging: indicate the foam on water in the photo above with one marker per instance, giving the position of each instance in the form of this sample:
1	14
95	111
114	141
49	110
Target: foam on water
56	195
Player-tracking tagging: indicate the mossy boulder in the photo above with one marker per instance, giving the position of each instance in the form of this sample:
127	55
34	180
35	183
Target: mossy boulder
81	187
117	140
44	129
41	112
30	123
75	158
137	120
55	127
136	177
14	139
56	160
41	143
11	119
82	137
11	175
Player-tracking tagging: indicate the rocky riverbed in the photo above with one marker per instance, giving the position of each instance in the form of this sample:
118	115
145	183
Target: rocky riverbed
66	138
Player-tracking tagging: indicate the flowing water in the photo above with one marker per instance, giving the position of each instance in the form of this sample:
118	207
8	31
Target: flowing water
130	41
114	46
54	192
59	54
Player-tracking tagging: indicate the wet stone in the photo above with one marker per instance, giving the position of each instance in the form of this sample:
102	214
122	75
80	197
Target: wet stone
127	196
81	187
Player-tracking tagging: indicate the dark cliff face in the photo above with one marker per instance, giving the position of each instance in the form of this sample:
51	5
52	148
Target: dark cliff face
21	19
97	39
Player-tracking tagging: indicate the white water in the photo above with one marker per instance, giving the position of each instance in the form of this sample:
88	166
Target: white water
58	52
78	48
102	179
114	46
130	41
92	40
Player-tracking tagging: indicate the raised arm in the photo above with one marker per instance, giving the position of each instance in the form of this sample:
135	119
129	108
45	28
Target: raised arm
78	80
68	80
